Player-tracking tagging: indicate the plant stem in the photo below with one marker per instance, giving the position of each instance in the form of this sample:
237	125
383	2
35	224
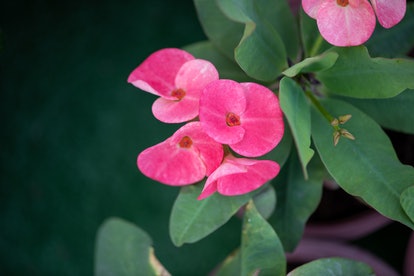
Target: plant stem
316	46
320	108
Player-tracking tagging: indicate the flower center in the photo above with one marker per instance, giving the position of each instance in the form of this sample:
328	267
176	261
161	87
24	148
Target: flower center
178	93
342	3
185	142
232	119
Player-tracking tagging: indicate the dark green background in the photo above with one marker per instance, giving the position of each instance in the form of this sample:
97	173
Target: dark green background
72	128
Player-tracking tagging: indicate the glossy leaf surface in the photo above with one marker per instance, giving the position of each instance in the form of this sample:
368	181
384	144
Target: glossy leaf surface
192	219
312	64
366	167
297	199
356	74
223	33
394	113
261	250
227	67
123	249
297	111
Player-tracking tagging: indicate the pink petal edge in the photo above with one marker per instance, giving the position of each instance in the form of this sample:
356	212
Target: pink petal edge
237	176
156	74
346	26
389	12
262	122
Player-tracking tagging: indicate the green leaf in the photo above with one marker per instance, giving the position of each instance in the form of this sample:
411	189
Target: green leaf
227	68
312	64
396	41
276	13
366	167
124	249
333	267
261	52
231	265
223	33
265	201
261	249
297	111
356	74
407	202
192	219
297	199
313	43
394	113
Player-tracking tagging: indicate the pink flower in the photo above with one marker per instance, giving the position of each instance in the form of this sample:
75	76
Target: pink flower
389	12
178	78
237	176
185	158
246	116
352	22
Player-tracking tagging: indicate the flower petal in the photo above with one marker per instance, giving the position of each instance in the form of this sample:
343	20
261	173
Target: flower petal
262	122
237	176
184	158
389	12
157	73
346	26
194	75
171	165
174	111
311	7
217	100
210	151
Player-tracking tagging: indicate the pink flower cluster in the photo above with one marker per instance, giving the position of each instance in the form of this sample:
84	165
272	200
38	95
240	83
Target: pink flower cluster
220	114
352	22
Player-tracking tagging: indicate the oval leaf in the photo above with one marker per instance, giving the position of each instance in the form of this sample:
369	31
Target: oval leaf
366	167
275	13
297	199
312	64
333	267
223	33
261	250
227	67
356	74
394	113
192	219
297	111
124	249
261	52
231	265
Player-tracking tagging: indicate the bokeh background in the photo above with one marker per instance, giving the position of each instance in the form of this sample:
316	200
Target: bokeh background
71	128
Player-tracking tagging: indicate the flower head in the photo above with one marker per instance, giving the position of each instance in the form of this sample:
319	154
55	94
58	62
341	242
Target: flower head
352	22
237	176
178	78
185	158
246	116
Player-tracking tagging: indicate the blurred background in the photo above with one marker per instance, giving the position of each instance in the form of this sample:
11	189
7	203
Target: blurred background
72	128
